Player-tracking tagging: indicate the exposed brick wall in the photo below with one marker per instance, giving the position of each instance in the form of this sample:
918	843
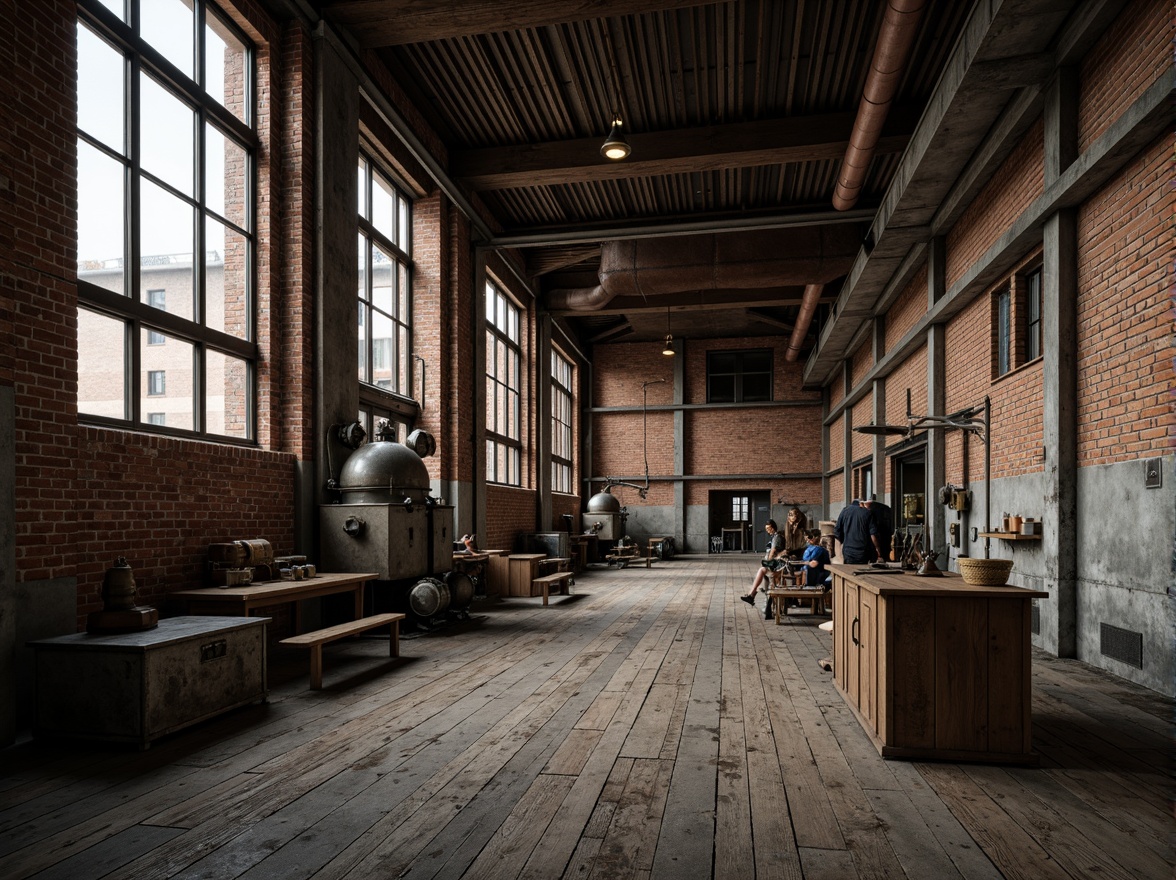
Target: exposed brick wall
1129	57
860	363
618	371
837	489
1019	180
512	513
432	325
907	309
837	387
294	269
160	501
837	443
617	451
1125	313
561	504
912	374
863	414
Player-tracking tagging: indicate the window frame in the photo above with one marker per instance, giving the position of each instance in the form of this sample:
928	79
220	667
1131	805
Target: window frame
509	444
739	374
131	307
563	403
396	401
1034	340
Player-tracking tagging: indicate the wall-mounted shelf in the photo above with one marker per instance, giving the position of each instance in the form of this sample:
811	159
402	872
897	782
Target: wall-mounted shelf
1010	536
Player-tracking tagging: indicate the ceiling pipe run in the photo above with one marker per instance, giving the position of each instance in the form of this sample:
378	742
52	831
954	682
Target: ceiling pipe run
808	308
895	40
750	260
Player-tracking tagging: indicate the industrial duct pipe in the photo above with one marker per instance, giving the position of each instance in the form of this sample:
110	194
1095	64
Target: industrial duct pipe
754	259
886	69
808	307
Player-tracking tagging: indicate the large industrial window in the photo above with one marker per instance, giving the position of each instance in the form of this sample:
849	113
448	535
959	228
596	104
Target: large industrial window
1033	315
738	376
503	389
562	449
385	301
166	193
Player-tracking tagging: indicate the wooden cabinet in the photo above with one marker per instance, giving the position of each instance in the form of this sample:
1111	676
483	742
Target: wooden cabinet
136	687
524	568
934	667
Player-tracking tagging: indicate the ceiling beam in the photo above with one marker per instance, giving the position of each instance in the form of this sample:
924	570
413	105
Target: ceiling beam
399	22
699	301
683	151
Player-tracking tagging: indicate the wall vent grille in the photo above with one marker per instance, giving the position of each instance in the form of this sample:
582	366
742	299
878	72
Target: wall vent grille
1035	619
1121	644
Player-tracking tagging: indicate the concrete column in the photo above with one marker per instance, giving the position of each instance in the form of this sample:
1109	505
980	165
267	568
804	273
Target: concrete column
936	269
479	355
825	499
337	223
936	466
7	565
544	510
1060	433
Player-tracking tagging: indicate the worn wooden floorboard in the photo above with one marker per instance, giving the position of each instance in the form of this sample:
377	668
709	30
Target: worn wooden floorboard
653	727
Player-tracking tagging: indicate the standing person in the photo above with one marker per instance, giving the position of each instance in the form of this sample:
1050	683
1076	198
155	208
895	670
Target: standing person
883	518
816	558
794	533
854	532
772	561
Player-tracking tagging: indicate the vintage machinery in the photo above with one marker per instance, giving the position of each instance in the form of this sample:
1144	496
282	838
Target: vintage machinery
386	521
604	508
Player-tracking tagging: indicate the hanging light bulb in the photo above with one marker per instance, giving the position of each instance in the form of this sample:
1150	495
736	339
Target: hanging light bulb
668	345
615	146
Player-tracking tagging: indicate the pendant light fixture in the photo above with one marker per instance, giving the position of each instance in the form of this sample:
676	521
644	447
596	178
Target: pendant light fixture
668	345
615	147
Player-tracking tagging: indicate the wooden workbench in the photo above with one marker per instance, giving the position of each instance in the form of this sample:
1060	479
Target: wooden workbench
933	667
241	600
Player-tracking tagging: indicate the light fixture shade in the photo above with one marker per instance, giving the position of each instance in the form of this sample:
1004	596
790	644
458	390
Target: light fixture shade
615	146
668	346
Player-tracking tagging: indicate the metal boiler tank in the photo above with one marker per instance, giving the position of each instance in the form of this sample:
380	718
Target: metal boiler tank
604	508
386	520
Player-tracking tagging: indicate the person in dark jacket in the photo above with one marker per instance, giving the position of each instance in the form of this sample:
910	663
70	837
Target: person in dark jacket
854	531
883	518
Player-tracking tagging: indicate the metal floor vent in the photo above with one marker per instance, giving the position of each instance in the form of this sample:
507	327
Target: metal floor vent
1121	644
1035	619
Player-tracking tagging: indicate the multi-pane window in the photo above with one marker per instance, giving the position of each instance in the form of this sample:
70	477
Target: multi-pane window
385	317
157	299
739	376
166	148
157	418
1004	332
561	424
156	385
503	389
1033	315
740	507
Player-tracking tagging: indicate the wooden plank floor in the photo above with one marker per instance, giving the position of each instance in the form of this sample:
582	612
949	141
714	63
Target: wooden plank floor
648	726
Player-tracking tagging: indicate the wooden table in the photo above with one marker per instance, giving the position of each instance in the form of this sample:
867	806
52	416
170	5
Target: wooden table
933	667
241	600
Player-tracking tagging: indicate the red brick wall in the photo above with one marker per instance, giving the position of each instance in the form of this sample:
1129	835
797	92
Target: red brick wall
860	363
511	514
906	311
1130	56
863	414
1125	313
837	443
618	371
837	388
1011	190
431	333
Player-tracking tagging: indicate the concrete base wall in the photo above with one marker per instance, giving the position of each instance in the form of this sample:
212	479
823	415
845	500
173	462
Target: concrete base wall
1125	539
44	609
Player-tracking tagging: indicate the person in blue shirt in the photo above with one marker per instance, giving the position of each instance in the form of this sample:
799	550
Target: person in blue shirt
815	559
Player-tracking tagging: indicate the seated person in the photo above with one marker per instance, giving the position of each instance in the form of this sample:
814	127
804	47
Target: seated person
816	557
773	561
794	533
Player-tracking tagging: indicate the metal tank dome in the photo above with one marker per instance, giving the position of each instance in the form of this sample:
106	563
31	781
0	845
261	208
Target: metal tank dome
604	502
383	472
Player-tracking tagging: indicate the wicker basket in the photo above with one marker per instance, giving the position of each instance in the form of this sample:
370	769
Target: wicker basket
985	572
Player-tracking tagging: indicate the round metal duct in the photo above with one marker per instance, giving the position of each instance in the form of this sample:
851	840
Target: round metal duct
428	598
384	472
603	502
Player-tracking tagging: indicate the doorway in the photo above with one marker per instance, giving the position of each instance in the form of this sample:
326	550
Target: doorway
909	500
736	519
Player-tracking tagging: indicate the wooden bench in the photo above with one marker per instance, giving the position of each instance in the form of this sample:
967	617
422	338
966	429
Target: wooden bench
817	597
319	637
560	577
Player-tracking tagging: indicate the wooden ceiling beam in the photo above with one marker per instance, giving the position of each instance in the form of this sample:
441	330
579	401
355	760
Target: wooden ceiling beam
685	151
376	23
